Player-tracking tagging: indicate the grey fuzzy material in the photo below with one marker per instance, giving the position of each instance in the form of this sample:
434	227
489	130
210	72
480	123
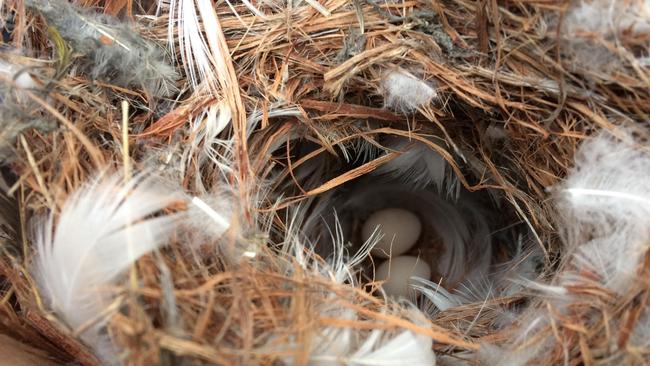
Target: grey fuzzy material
16	116
114	52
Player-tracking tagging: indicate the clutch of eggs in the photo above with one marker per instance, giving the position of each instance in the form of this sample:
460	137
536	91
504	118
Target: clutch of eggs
399	230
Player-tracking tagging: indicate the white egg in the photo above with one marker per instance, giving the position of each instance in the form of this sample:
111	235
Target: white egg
400	229
396	273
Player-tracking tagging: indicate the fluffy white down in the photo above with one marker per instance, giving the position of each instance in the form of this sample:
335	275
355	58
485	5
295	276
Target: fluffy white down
404	92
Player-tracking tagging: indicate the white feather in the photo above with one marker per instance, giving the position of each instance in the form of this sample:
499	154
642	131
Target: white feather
198	38
219	220
608	17
465	236
596	34
605	202
217	119
206	222
407	348
490	355
331	344
524	343
205	142
254	10
467	292
605	215
182	15
610	179
503	280
605	221
275	110
380	348
439	297
551	291
103	228
512	277
342	266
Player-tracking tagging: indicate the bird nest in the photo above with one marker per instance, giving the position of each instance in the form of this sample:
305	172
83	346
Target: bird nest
190	182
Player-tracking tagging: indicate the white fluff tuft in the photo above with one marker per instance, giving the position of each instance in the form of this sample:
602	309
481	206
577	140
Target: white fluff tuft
405	92
103	228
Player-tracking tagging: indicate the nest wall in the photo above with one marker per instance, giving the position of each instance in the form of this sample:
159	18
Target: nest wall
184	182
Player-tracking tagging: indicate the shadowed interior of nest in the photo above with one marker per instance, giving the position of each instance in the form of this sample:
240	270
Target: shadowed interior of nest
348	157
349	204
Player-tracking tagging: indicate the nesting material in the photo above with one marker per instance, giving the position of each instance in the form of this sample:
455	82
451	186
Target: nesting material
399	230
275	130
15	353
